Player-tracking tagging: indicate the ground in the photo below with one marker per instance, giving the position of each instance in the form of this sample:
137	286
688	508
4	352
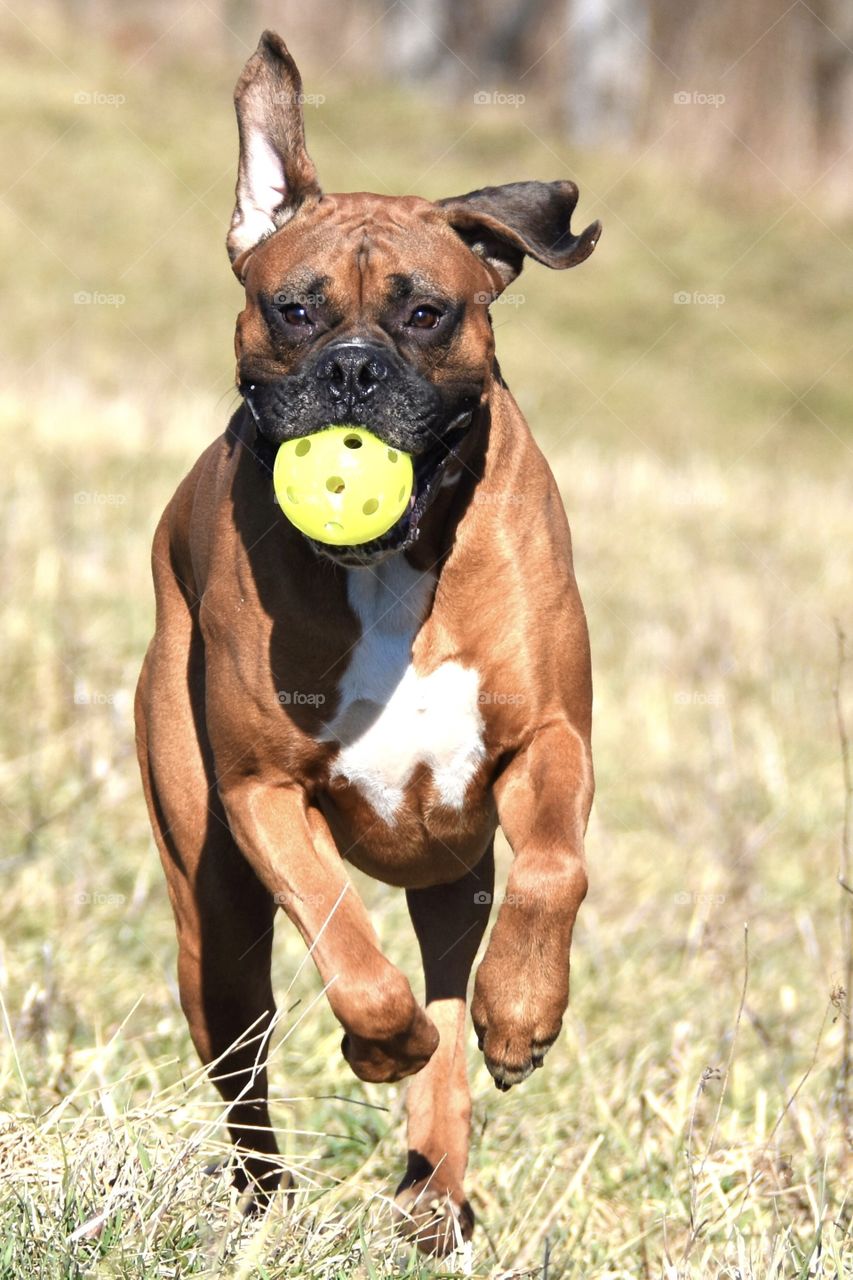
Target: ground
691	388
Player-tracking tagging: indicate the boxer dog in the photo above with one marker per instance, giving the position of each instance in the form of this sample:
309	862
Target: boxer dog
388	705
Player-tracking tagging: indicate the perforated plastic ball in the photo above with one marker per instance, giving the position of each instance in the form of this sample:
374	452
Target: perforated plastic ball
342	485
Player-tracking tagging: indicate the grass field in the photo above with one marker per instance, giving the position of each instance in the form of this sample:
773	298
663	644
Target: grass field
688	1122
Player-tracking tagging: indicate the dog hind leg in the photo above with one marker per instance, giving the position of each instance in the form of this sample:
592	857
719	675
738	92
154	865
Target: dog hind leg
223	915
449	921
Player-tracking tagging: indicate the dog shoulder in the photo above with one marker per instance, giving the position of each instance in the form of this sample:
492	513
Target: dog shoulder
179	550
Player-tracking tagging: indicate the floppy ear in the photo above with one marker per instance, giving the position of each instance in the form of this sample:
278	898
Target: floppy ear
502	224
276	174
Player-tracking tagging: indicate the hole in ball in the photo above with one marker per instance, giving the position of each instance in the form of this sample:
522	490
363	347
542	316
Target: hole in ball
335	484
352	442
332	526
392	455
370	506
401	495
302	448
291	494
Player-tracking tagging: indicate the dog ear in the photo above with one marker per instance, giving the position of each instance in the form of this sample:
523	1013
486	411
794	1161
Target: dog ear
502	224
275	174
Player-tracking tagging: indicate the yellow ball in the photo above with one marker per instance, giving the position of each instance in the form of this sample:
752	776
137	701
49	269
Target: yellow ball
342	485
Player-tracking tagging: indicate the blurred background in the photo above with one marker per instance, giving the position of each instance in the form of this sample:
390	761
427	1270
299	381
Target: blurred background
691	386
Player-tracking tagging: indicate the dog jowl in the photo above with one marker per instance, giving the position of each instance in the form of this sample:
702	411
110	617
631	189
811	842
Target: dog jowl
386	704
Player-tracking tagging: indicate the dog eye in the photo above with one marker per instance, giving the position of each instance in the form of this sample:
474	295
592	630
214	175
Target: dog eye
424	318
294	313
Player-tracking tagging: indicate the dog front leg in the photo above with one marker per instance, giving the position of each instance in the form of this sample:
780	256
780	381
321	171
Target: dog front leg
287	841
522	985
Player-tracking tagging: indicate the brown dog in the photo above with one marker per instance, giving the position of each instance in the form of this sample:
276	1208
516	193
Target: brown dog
303	706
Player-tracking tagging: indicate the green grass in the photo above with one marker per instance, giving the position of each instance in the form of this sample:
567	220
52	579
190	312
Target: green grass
703	452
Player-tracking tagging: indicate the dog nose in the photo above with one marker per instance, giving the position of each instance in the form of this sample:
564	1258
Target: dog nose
351	373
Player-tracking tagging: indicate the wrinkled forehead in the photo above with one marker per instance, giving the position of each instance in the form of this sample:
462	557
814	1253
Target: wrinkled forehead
366	246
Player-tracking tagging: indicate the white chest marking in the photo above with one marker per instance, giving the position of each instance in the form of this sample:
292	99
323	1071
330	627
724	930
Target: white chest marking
390	718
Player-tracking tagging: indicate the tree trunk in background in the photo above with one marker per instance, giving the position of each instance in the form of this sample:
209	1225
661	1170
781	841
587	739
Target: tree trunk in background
737	81
478	44
413	48
608	70
834	99
757	91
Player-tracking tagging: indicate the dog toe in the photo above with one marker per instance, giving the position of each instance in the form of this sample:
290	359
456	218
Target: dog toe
510	1062
436	1219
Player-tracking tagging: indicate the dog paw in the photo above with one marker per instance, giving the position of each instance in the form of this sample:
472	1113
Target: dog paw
514	1036
255	1180
394	1058
435	1216
512	1056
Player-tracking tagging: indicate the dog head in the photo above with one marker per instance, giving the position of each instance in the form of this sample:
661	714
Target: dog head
368	309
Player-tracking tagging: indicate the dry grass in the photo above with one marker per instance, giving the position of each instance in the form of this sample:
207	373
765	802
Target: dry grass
687	1123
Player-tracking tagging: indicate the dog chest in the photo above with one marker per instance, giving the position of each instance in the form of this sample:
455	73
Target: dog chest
392	718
